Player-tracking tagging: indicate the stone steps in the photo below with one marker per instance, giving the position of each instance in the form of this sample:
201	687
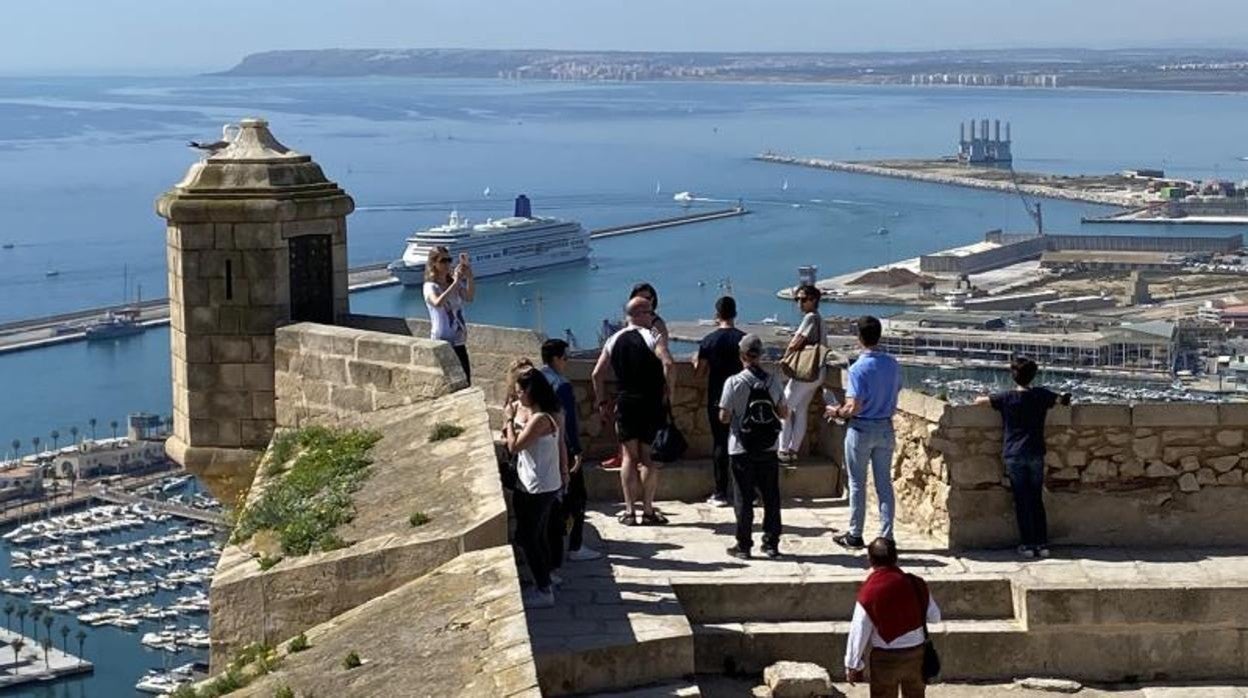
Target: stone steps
732	648
693	480
786	599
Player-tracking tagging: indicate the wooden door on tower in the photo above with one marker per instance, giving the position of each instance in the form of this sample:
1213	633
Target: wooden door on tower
311	279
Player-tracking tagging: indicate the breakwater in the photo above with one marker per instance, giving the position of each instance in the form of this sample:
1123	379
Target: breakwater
1005	186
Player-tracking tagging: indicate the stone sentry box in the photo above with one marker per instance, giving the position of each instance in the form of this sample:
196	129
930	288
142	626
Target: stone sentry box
256	239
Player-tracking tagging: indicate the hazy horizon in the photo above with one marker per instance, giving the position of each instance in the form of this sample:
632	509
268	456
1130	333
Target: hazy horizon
127	37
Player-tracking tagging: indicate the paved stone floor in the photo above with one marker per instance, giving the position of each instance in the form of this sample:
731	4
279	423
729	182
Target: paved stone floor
627	596
716	687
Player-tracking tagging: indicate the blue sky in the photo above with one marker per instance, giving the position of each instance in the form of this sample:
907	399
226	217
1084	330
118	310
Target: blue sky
172	36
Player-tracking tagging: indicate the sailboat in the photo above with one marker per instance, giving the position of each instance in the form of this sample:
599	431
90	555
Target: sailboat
486	193
785	185
658	187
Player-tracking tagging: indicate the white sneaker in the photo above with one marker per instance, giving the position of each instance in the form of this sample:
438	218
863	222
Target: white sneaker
536	598
1042	552
1026	553
716	501
584	554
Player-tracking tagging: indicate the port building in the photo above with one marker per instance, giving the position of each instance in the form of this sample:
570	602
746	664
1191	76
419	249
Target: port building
1145	346
1001	249
980	148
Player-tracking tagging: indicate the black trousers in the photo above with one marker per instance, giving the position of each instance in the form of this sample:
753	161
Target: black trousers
759	471
462	352
556	529
574	503
532	533
719	450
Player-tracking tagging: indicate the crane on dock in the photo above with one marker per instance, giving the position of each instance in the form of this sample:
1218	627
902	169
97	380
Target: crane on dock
1033	207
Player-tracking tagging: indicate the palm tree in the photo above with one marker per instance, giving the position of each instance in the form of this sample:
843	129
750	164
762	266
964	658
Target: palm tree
35	614
65	638
48	621
34	441
17	646
80	636
73	434
113	425
17	447
21	616
9	608
91	423
56	435
46	643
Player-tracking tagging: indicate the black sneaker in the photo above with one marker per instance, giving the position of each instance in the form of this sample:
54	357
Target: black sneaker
849	541
738	553
772	553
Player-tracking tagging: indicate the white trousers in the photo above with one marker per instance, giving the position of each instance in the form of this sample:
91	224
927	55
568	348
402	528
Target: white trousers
797	396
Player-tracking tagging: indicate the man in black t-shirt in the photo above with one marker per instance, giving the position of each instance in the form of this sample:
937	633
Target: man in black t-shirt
1023	411
718	358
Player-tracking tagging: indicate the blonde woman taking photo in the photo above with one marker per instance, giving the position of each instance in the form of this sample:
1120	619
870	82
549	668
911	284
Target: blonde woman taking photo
447	290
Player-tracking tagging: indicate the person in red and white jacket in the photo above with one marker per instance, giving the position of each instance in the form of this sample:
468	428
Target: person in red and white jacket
888	622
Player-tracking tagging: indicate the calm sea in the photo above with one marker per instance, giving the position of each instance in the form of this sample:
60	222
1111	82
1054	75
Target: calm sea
82	161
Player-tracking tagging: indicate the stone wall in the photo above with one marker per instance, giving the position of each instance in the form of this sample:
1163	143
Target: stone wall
325	372
491	349
1146	475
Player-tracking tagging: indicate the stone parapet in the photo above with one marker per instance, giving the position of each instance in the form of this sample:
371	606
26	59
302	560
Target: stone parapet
454	482
457	631
325	372
1148	475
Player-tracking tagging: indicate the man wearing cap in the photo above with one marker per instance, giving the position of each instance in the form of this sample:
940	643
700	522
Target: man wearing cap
754	465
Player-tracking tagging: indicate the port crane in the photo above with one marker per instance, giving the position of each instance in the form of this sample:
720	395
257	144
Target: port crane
1033	208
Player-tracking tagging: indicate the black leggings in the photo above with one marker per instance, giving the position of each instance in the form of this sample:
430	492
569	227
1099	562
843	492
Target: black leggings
462	352
533	532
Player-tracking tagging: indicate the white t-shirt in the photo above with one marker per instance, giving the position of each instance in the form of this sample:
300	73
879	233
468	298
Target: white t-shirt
735	399
448	320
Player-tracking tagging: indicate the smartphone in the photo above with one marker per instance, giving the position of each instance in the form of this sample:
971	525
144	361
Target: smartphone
463	259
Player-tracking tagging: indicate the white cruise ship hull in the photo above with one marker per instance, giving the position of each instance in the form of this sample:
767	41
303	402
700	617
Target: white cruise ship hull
507	246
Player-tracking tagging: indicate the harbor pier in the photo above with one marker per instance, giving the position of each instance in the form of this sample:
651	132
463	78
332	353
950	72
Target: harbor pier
30	665
180	510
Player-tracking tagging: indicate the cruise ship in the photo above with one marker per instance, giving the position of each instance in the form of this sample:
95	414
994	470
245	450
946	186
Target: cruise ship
519	243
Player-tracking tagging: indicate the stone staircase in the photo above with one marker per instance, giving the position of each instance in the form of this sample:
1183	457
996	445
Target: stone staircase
668	604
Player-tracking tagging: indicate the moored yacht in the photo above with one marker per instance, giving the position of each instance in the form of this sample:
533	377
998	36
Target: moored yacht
517	243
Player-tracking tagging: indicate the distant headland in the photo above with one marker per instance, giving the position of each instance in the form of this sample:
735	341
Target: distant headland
1141	69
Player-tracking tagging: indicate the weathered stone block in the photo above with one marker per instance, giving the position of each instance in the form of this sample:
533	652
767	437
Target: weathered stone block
1234	477
1231	438
1206	476
975	471
1100	416
367	373
1188	482
350	398
1076	459
1189	464
1158	469
1233	413
1183	436
1175	414
1146	447
1173	454
1099	470
1222	464
1065	475
797	680
1131	470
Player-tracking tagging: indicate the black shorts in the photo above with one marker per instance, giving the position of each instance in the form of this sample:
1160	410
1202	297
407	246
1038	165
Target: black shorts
638	418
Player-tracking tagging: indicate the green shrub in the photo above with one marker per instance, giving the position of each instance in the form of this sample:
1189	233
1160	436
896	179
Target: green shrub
313	495
298	643
443	431
418	519
283	692
351	661
267	562
185	691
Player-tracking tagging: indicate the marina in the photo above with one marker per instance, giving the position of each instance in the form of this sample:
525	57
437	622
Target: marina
131	568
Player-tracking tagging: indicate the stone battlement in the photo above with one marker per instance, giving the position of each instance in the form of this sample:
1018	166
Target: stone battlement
1147	475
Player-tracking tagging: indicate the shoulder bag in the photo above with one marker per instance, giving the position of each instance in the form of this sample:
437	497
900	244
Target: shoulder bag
804	365
669	444
931	660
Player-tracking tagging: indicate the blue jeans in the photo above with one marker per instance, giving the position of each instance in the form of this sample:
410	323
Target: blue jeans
870	441
1026	475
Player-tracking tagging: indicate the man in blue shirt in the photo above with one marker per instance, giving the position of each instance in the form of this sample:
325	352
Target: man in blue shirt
555	360
870	400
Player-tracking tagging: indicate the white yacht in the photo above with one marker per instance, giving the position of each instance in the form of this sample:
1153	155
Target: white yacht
518	243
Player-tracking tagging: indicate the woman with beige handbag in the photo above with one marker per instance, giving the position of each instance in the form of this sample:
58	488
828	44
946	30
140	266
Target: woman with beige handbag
803	364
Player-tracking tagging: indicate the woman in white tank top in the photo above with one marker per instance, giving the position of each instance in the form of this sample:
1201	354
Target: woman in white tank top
541	471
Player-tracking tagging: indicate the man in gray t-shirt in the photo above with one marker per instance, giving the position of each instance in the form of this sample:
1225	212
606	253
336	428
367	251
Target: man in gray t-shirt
754	466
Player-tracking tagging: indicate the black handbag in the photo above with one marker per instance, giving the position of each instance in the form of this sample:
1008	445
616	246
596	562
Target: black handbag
669	444
931	660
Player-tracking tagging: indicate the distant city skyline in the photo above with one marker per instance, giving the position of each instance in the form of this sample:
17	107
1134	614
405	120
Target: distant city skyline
138	36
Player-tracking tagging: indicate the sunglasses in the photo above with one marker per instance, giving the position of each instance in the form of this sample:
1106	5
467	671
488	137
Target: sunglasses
803	299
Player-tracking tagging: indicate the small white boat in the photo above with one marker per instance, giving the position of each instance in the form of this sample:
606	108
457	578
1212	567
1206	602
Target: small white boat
683	197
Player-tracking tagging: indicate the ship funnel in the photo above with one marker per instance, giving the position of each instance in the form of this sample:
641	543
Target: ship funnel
523	208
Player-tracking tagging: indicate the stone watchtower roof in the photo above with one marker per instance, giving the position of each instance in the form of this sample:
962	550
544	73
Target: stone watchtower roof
254	165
